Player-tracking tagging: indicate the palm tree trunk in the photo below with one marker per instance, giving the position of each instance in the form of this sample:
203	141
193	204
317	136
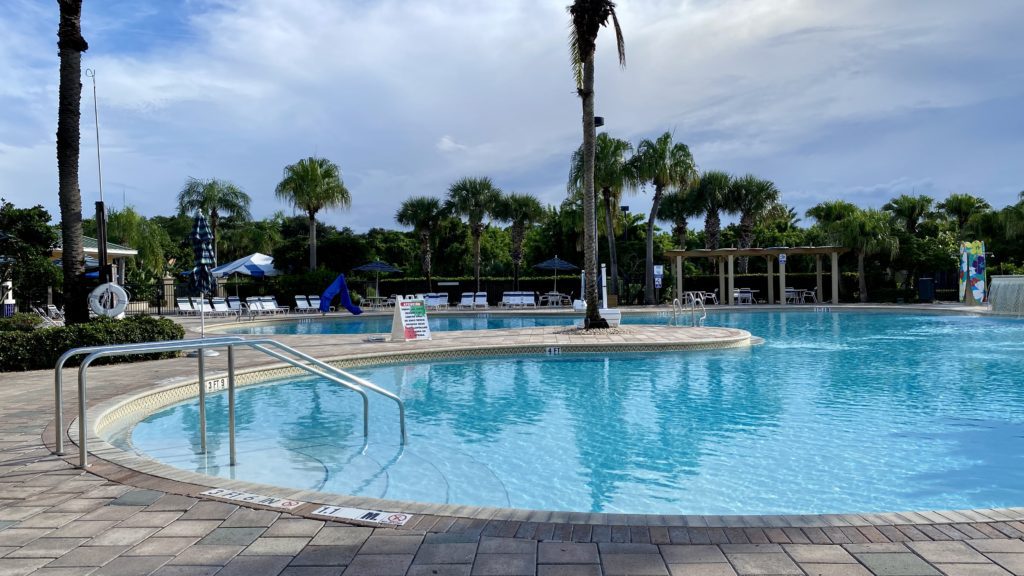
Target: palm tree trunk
593	318
477	232
609	232
518	233
649	275
71	45
214	219
712	229
746	239
861	280
312	241
425	258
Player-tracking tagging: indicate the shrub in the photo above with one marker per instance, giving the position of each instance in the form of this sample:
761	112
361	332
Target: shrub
20	322
40	349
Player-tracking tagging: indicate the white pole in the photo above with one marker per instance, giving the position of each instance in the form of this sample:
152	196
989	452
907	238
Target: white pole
604	286
202	315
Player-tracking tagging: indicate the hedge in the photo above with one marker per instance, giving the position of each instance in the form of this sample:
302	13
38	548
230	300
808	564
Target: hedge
40	349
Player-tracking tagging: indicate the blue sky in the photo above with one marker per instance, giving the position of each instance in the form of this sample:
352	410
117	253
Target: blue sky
860	100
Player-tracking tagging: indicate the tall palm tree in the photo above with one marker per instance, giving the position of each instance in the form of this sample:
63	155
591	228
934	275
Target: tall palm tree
422	213
667	166
677	208
831	211
961	208
751	196
588	16
218	198
867	232
612	176
712	193
70	45
311	185
519	210
473	198
909	210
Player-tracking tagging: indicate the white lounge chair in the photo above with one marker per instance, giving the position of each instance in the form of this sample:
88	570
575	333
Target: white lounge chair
220	307
185	307
202	305
480	300
314	302
466	301
528	299
270	302
302	305
507	300
441	300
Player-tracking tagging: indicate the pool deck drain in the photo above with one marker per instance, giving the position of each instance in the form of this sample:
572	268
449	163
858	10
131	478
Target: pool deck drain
57	519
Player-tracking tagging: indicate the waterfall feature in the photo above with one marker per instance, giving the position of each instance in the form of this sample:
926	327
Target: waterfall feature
1007	295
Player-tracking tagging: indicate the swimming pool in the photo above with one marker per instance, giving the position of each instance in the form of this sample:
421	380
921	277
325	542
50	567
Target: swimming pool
382	324
842	412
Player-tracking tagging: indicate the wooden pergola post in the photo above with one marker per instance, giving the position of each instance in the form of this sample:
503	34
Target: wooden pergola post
721	281
817	269
782	280
679	277
835	277
732	280
771	279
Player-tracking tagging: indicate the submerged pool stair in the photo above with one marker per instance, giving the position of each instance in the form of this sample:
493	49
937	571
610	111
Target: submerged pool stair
271	348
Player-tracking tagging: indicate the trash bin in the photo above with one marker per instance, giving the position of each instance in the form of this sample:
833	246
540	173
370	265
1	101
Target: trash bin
926	290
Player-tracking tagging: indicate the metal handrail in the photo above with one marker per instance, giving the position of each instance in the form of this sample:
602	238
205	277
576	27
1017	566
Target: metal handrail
58	383
678	309
322	369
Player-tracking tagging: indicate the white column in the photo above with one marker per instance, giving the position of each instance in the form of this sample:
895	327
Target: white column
817	264
835	278
721	281
782	281
679	278
732	280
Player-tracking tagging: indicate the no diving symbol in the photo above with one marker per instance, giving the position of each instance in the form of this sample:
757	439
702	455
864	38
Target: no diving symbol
398	519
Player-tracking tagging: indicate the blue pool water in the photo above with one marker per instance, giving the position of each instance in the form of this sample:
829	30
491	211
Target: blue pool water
379	324
844	412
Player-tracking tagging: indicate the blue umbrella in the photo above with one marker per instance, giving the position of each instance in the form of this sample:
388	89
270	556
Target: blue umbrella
377	266
558	265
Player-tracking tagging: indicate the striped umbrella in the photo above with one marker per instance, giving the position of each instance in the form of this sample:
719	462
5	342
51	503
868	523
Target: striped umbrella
202	280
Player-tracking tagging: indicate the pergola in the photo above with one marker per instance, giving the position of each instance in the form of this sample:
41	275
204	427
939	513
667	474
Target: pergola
771	255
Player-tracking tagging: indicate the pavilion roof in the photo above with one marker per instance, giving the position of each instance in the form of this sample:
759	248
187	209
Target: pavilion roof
773	251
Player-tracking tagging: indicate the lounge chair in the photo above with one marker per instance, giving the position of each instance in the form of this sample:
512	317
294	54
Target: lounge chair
47	321
255	306
480	300
185	307
302	305
528	299
711	297
508	300
54	312
220	307
466	301
202	305
314	302
441	300
271	303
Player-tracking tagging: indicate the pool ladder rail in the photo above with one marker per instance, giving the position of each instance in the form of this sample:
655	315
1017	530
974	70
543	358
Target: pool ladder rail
691	305
271	348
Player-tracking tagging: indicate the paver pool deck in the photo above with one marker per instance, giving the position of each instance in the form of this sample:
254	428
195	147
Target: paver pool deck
109	520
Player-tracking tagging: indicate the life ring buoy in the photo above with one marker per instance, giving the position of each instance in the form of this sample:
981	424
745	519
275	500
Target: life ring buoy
108	300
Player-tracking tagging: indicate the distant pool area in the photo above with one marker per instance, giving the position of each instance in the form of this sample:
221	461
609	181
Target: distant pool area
839	412
376	324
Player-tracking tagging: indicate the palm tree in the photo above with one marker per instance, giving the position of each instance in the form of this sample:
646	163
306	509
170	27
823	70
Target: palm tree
961	208
831	211
712	191
612	175
909	210
520	210
473	198
214	197
588	16
677	208
667	166
422	213
751	196
311	185
867	232
71	44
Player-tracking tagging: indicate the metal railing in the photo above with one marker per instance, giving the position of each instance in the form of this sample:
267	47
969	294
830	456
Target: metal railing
691	305
312	365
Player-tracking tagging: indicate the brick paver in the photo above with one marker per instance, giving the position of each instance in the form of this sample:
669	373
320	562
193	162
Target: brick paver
57	520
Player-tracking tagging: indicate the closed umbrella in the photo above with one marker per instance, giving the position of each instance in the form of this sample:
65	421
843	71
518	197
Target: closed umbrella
377	267
202	280
558	265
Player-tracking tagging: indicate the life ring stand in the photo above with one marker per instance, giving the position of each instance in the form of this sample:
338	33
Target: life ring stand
108	300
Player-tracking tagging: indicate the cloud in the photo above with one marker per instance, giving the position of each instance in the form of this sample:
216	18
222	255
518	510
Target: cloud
845	99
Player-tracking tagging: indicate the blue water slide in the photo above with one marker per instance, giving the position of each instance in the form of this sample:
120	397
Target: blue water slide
338	287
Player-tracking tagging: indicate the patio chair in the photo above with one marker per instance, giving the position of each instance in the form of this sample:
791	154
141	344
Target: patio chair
809	296
393	299
711	297
466	301
506	300
314	302
255	306
220	307
202	305
272	300
793	296
441	300
54	312
185	307
744	296
302	305
527	299
480	300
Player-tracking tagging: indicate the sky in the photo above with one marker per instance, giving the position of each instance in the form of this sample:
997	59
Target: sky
861	100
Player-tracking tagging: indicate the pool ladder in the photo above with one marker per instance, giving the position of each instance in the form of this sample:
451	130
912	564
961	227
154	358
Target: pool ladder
271	348
680	310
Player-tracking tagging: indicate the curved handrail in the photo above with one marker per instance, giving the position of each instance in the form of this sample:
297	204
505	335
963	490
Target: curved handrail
318	368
